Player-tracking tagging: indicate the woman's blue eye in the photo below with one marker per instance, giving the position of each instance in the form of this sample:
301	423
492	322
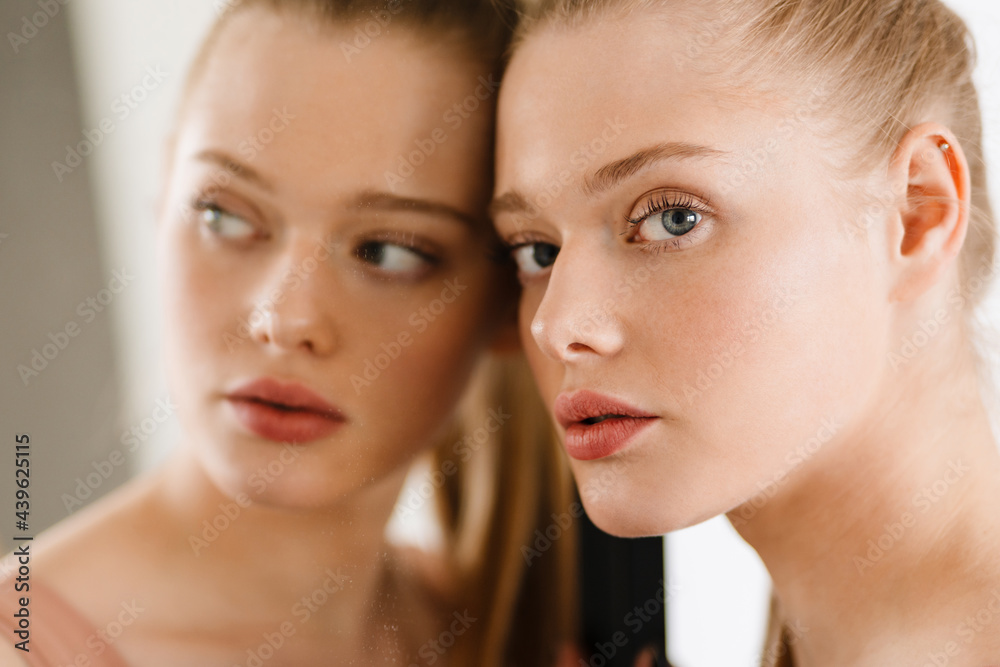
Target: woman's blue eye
534	258
390	257
225	224
669	224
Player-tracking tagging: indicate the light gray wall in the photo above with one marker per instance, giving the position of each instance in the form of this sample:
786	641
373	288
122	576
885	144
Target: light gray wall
49	263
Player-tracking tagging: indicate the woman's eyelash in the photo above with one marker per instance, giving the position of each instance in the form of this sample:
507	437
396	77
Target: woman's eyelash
665	201
513	245
412	243
509	246
201	206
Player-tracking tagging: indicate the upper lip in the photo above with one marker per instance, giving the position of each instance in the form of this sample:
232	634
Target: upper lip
575	407
291	395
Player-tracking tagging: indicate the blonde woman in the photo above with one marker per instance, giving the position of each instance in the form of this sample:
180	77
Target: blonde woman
301	198
752	238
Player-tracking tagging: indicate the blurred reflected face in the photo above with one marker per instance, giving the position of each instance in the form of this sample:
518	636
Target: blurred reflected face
323	254
696	309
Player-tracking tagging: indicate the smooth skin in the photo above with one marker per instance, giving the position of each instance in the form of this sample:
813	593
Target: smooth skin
762	336
317	185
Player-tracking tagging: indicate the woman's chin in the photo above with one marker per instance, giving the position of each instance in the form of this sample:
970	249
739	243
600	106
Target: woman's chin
630	520
291	495
282	488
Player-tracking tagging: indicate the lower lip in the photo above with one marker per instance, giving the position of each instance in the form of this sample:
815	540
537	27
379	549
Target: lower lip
294	426
587	442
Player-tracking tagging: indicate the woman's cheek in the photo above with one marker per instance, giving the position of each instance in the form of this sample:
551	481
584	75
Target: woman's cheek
204	309
791	361
425	362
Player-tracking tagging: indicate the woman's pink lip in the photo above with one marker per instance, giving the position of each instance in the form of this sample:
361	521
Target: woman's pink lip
284	412
573	407
585	440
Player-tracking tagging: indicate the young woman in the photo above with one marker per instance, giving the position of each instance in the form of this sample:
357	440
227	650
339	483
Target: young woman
752	238
326	268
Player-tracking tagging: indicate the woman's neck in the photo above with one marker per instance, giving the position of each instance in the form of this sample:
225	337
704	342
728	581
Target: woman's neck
884	543
313	569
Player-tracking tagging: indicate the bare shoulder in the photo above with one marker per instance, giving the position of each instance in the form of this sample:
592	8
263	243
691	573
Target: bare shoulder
10	656
103	547
123	517
975	635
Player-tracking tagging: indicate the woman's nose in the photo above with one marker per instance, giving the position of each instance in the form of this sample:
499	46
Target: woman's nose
296	311
577	317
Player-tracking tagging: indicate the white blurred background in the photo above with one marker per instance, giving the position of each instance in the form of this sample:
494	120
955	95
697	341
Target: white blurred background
70	77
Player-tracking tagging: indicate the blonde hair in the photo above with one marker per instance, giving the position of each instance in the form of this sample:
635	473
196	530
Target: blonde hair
515	487
516	478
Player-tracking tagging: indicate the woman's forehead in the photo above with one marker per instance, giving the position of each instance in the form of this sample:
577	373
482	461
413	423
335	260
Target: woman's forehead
290	104
566	88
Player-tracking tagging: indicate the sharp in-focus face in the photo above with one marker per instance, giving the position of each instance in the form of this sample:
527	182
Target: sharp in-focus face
698	308
325	273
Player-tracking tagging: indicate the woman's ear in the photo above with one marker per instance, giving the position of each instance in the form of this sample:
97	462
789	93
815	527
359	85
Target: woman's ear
931	171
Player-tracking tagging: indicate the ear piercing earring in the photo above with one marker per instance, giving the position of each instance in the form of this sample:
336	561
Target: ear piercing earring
945	146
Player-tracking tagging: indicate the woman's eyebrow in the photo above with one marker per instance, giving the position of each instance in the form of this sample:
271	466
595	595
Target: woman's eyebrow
387	201
235	167
511	201
369	199
614	173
